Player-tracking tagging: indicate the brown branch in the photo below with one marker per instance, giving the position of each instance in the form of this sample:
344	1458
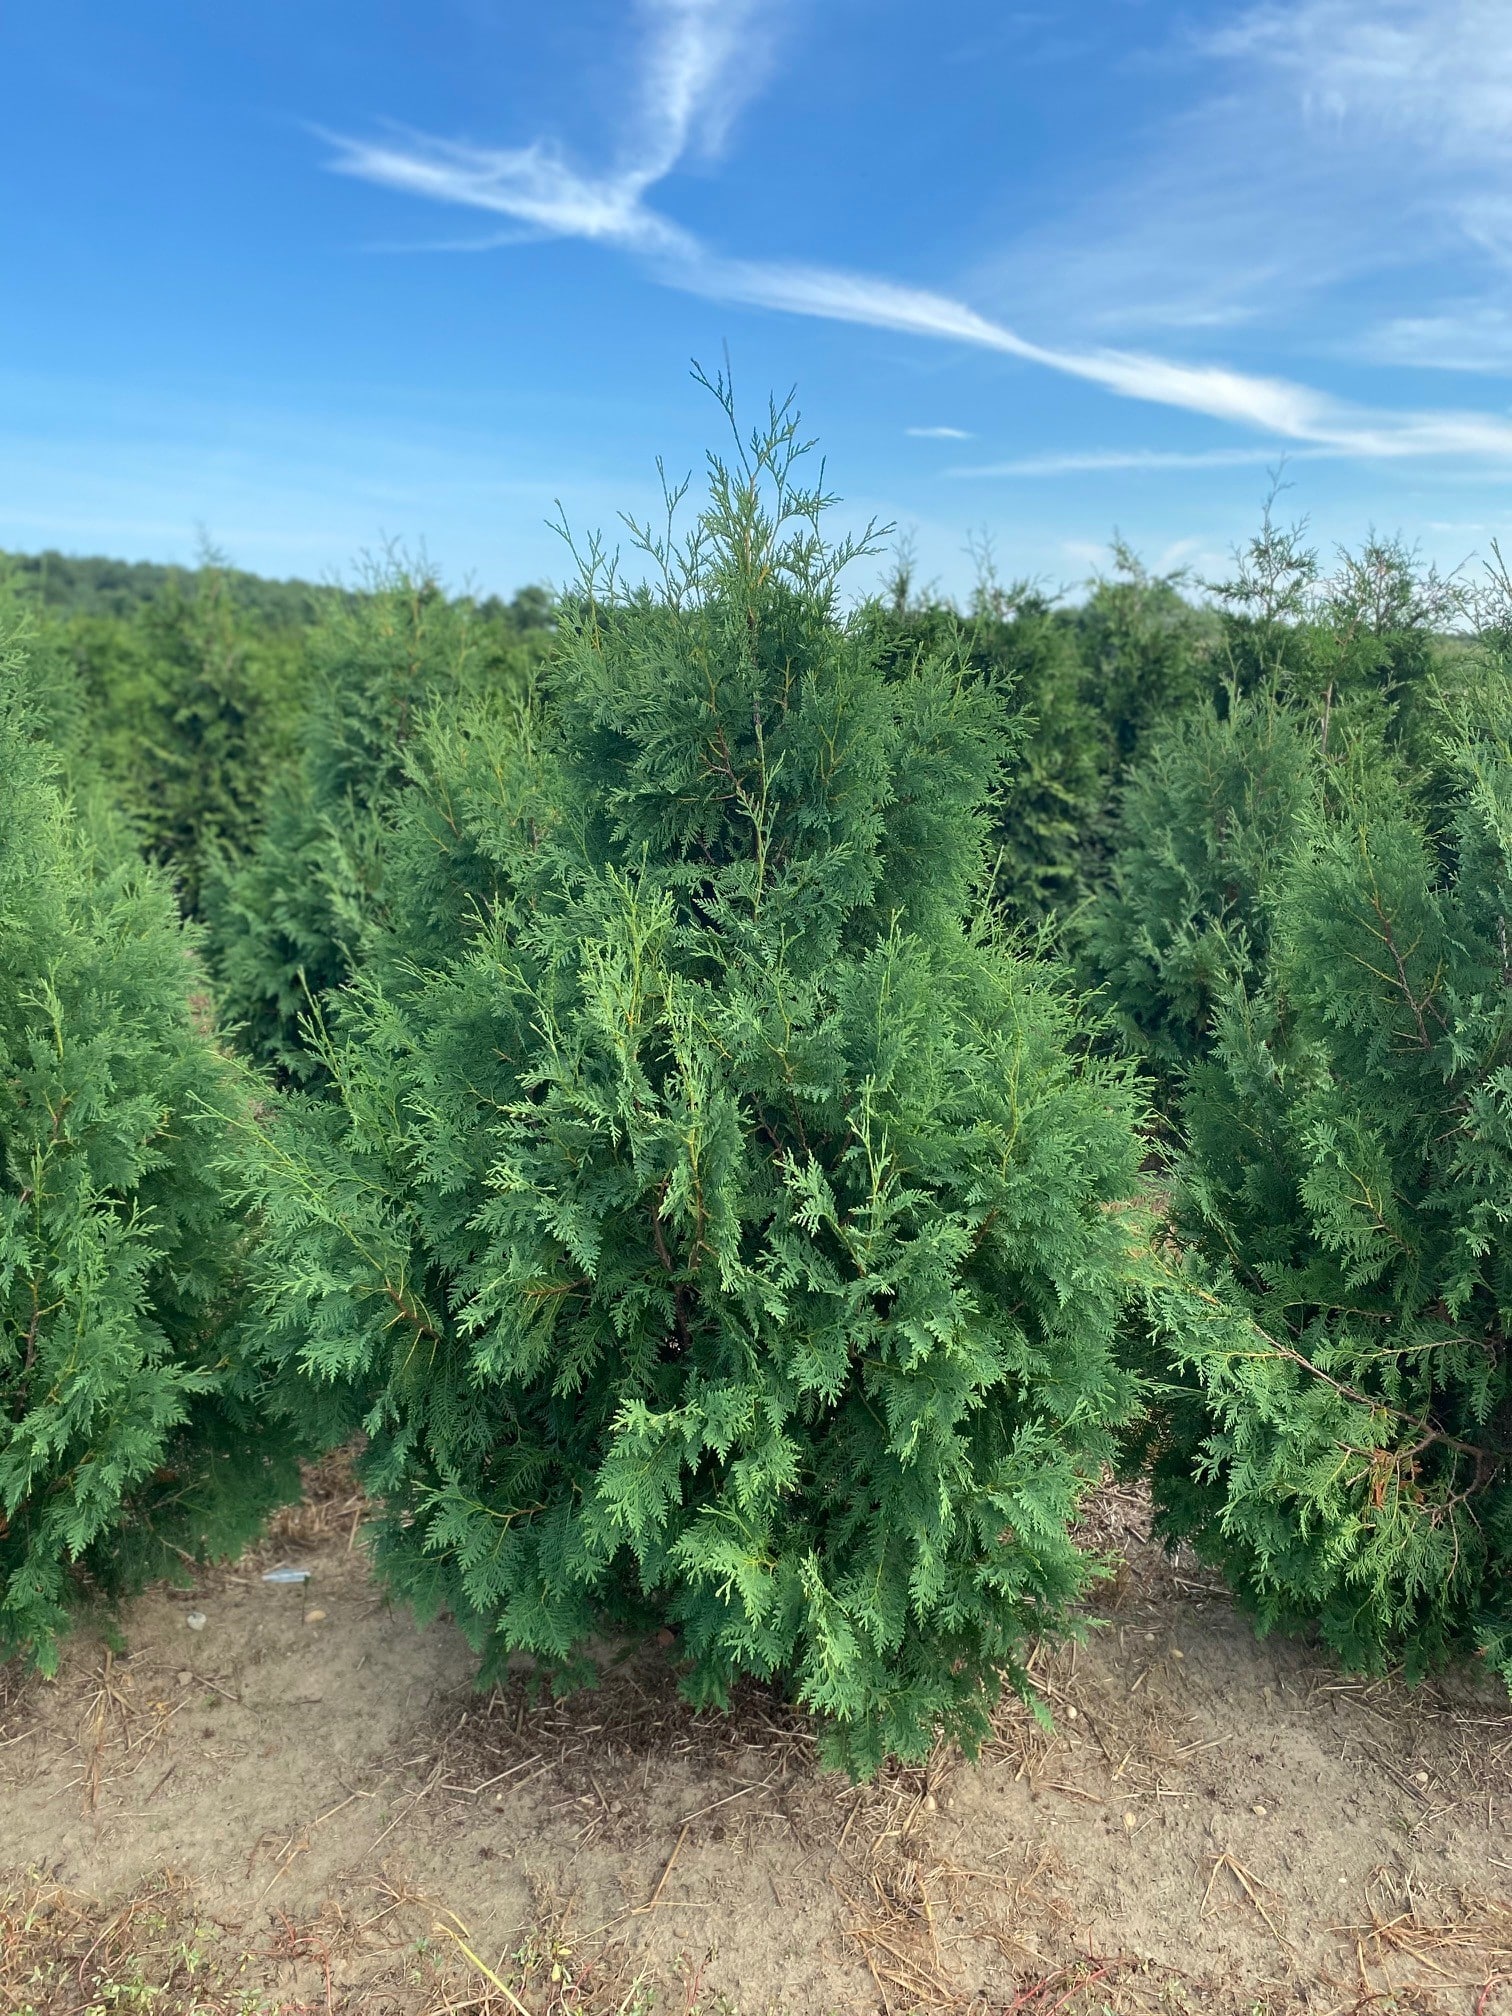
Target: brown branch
1430	1435
417	1318
684	1336
1388	939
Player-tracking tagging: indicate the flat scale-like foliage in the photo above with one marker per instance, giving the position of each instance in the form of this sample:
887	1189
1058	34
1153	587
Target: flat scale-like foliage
1185	910
129	1431
713	1227
287	917
1336	1426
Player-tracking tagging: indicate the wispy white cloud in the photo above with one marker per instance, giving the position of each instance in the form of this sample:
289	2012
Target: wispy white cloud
1474	336
938	433
701	58
1097	460
705	59
487	241
535	185
1326	150
1406	107
1436	71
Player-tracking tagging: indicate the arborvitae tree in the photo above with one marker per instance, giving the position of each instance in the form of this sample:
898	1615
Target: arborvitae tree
1083	687
1335	1421
129	1429
1185	912
1148	651
1313	667
191	708
1363	646
1016	638
285	920
1062	765
713	1227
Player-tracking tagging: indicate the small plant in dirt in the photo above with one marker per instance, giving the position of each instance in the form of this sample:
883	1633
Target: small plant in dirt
1334	1421
717	1224
128	1431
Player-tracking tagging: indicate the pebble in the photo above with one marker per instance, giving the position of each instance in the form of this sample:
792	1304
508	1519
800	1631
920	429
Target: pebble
196	1620
1129	1822
1260	1810
1072	1714
931	1804
1420	1777
1176	1654
185	1677
314	1616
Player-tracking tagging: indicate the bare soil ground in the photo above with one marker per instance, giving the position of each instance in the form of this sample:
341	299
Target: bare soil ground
304	1806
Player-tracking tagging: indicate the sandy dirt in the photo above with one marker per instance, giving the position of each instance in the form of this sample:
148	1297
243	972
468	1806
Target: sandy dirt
1215	1823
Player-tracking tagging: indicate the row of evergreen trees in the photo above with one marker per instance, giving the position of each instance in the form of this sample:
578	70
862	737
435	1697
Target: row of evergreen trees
1305	936
749	1107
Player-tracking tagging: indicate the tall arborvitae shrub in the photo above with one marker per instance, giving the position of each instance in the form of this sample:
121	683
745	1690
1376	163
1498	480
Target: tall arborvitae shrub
1149	653
714	1229
284	922
190	704
1313	666
1334	1421
130	1433
1083	687
1185	911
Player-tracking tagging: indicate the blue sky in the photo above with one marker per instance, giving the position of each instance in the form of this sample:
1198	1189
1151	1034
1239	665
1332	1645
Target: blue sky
312	276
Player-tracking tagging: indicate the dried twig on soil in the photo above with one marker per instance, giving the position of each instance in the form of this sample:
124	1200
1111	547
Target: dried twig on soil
1414	1939
1252	1889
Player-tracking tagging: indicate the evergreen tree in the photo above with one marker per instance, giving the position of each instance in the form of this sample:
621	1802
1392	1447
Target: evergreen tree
1082	687
1335	1427
712	1227
1148	653
129	1426
1185	911
1363	646
285	920
190	714
1312	666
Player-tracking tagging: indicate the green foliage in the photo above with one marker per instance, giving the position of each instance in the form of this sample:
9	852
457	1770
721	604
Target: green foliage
194	707
129	1428
712	1227
181	694
286	919
1335	1429
1081	686
1148	652
1363	646
710	1215
65	585
1185	911
182	708
1354	666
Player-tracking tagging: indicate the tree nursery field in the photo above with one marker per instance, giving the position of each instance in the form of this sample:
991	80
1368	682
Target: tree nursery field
722	1295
